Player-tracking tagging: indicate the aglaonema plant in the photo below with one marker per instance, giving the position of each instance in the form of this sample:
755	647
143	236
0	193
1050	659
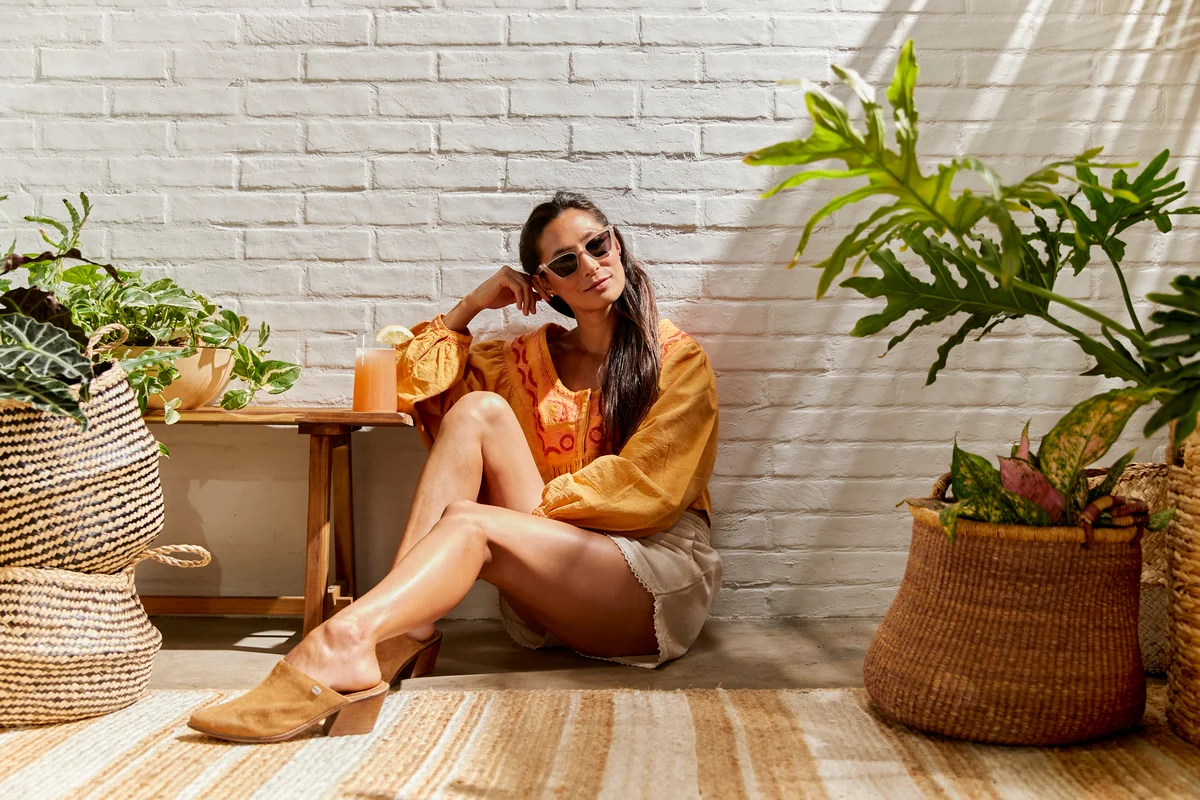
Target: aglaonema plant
995	253
1049	486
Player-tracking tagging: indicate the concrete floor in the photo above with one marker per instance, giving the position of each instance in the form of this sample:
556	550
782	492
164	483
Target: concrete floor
236	653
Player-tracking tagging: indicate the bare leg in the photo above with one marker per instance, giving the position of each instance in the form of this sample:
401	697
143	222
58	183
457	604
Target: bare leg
576	581
473	435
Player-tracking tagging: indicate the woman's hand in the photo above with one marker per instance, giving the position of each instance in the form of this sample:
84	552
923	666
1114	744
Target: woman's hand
505	288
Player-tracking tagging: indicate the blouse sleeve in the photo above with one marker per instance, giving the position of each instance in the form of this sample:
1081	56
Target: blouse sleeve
661	469
435	369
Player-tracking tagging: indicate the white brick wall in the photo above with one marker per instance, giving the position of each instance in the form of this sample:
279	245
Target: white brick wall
334	165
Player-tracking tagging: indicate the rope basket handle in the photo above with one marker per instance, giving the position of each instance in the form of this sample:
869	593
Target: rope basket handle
94	347
160	554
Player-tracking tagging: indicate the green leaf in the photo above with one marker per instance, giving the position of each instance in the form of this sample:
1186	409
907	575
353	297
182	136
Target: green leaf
235	398
43	393
222	328
163	451
1086	433
170	411
278	375
1105	487
41	350
1160	519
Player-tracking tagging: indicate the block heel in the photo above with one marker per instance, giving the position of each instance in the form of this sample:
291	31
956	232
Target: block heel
356	717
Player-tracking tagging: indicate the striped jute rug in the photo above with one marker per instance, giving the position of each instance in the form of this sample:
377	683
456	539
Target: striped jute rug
618	744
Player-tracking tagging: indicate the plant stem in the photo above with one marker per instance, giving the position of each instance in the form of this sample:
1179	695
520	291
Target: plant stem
1125	292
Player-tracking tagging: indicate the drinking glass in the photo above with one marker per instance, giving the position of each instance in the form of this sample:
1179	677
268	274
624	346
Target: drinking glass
374	374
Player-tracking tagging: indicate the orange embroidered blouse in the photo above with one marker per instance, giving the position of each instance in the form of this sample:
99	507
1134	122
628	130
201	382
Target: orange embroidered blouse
662	470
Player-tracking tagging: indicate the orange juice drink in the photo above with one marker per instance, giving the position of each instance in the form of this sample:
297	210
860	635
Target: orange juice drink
375	379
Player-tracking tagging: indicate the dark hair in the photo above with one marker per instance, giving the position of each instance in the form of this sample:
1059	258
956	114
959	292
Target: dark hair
629	381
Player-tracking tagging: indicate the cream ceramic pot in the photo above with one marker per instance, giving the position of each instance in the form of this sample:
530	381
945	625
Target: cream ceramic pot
202	377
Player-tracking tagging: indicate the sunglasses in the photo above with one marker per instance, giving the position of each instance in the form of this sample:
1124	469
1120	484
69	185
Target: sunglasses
598	246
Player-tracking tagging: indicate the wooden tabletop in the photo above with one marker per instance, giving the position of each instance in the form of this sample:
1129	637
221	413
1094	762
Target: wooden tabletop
277	415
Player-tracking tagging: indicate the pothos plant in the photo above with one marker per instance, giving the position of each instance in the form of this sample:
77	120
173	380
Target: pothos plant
158	314
994	254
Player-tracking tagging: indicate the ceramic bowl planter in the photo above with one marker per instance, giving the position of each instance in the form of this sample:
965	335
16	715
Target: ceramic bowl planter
202	377
1013	634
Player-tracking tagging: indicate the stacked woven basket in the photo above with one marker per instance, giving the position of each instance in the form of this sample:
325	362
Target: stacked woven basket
77	511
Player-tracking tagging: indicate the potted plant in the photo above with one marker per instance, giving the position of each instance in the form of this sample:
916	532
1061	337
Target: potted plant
183	348
986	265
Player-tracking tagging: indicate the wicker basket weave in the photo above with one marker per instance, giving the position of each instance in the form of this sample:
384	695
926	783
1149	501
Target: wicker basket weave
1183	582
87	500
1012	634
1148	481
75	645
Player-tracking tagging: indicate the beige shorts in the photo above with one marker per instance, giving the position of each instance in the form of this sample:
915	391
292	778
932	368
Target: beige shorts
678	567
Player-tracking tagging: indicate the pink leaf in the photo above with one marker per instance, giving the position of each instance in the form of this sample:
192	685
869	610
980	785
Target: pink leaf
1019	477
1023	450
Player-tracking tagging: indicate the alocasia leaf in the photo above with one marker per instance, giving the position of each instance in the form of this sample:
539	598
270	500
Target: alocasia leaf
45	394
41	350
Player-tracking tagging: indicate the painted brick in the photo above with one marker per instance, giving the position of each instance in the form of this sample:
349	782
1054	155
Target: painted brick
755	66
559	29
183	28
78	173
189	101
173	244
710	104
90	65
504	137
114	208
316	29
52	29
354	65
259	65
81	100
604	65
304	245
592	174
335	101
140	173
303	173
239	137
468	65
440	29
419	101
106	136
378	137
341	281
572	101
617	137
240	208
460	172
16	64
455	245
688	30
368	209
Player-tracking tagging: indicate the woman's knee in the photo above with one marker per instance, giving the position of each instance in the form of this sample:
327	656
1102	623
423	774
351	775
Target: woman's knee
481	409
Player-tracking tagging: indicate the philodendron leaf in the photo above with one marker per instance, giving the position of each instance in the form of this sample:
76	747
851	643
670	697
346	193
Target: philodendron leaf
1106	486
46	394
223	327
1019	477
1085	433
41	350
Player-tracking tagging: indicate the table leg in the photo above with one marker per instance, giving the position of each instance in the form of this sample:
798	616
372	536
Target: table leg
316	565
343	512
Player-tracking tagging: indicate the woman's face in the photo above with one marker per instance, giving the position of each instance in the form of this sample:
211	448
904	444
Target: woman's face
597	283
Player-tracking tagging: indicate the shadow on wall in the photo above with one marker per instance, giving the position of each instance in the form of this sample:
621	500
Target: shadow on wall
842	437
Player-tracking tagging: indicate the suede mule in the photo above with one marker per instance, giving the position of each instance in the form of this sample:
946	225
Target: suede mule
289	702
402	656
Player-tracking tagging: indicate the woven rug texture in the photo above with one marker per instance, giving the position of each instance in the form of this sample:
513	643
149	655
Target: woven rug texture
584	744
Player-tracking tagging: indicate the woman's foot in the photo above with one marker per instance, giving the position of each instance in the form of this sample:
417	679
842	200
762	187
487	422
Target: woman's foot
422	633
339	654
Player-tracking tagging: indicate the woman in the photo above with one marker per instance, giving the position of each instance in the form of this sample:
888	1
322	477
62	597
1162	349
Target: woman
596	523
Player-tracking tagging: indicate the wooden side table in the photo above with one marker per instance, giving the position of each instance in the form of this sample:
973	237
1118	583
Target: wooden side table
329	466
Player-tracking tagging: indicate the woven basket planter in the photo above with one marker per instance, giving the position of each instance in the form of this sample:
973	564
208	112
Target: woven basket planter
88	500
75	645
1183	584
1148	482
1012	634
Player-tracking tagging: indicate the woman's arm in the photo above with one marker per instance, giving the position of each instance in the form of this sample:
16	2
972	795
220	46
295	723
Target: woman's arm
663	467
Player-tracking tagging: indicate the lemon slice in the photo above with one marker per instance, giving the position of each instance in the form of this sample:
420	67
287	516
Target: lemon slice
393	334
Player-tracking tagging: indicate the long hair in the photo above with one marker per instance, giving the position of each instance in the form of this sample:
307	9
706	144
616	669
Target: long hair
629	380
